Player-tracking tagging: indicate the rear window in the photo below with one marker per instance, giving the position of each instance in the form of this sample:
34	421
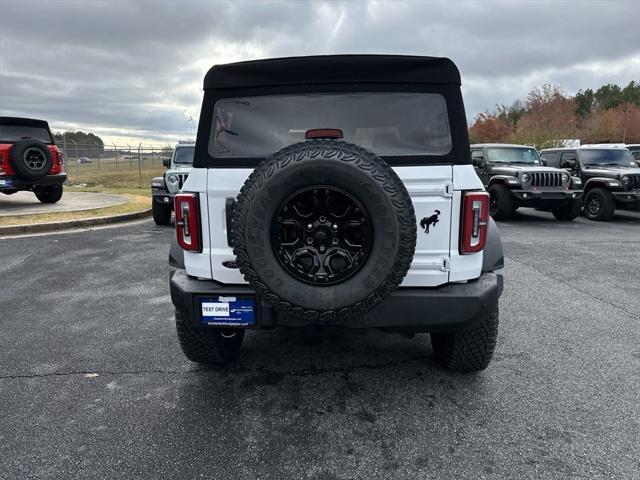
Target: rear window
391	124
15	133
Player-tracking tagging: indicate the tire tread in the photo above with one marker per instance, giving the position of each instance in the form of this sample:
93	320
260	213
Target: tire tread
469	351
204	345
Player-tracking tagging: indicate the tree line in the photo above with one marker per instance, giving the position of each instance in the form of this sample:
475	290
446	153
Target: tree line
86	144
548	116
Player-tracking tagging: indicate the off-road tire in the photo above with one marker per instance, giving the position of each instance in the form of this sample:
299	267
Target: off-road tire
568	212
19	164
469	351
501	204
335	164
161	213
49	194
607	204
206	344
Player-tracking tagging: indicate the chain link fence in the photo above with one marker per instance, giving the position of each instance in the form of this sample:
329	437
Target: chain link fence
113	166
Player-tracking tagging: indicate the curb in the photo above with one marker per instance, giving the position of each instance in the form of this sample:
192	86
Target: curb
69	224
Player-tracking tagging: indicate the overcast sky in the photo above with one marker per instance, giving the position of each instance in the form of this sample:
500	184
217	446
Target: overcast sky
134	70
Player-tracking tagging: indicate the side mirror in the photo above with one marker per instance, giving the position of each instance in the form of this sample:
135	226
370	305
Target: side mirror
570	164
544	162
478	161
166	162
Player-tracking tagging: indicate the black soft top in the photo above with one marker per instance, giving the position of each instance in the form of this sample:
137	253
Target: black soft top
27	122
337	69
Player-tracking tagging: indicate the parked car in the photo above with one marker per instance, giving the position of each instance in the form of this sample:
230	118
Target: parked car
84	160
30	159
610	177
164	188
515	177
335	191
635	151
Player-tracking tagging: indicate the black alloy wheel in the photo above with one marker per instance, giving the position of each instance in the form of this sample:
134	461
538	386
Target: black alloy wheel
599	204
594	206
321	235
34	159
493	204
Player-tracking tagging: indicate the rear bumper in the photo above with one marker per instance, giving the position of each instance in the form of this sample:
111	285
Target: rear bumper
17	183
538	198
448	308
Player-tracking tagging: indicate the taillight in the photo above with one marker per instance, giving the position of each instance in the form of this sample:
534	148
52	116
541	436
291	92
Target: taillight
60	157
475	218
188	221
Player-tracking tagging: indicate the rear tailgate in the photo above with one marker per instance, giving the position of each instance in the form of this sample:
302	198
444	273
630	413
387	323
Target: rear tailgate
430	188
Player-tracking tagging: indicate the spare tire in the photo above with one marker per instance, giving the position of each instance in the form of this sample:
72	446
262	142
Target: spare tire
30	159
324	229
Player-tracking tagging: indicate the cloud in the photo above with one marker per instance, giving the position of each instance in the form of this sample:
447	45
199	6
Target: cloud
135	69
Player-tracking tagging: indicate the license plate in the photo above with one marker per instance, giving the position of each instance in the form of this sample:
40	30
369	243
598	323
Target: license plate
6	182
227	311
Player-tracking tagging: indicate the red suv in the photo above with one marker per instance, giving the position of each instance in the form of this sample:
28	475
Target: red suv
29	159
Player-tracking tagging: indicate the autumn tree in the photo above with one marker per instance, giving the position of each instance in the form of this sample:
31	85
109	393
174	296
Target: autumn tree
614	125
550	118
547	116
489	128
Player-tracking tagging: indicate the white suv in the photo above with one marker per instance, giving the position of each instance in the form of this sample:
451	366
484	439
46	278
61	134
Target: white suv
335	191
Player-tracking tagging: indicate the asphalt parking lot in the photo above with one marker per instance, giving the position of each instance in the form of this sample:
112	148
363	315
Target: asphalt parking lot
93	383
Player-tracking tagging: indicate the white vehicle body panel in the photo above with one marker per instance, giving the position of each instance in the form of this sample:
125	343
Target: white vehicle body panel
199	264
432	188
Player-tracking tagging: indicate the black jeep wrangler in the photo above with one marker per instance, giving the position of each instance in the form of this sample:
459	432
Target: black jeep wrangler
516	177
610	176
29	159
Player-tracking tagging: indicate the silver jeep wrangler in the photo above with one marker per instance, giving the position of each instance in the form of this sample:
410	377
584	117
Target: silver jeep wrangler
164	188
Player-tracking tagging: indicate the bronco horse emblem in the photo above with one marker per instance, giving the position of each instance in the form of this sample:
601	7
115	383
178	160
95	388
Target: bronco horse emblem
426	222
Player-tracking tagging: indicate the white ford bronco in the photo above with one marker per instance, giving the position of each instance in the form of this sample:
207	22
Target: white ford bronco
335	192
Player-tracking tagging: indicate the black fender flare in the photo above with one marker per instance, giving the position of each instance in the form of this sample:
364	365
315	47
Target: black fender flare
493	253
176	254
601	182
503	180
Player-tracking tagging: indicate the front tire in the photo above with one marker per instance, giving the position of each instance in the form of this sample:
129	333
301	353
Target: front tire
49	194
161	214
569	211
469	351
208	345
501	206
599	205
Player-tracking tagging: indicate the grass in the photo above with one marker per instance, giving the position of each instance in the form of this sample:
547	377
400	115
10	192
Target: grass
109	179
136	203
